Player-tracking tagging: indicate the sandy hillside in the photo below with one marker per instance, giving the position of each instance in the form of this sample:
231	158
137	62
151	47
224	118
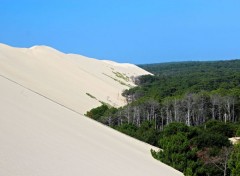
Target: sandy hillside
42	130
41	137
72	80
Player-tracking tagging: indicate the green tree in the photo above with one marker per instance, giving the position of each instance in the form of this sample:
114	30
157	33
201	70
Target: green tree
234	161
177	151
238	132
220	127
97	113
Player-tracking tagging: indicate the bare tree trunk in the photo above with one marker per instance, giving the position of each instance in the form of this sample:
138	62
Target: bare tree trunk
128	114
233	111
219	111
214	100
225	118
189	105
175	107
167	115
162	118
138	116
148	116
188	117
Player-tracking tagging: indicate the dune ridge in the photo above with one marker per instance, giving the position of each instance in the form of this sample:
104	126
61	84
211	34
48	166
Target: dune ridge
68	78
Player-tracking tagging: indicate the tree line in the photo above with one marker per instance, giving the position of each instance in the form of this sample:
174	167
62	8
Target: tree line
188	109
192	109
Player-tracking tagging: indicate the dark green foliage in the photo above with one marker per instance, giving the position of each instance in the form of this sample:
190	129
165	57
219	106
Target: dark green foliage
210	139
174	128
179	78
188	109
177	150
129	129
238	131
101	112
98	112
234	161
192	150
177	68
225	129
145	132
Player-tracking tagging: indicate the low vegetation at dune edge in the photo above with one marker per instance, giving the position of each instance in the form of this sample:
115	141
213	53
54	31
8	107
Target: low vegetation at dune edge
119	81
188	109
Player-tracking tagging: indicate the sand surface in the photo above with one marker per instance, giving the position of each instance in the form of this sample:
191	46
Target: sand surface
68	78
42	129
39	137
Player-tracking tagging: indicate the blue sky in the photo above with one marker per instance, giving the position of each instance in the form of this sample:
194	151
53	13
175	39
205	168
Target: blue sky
135	31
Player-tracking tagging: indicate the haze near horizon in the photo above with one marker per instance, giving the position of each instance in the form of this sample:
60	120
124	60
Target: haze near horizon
126	31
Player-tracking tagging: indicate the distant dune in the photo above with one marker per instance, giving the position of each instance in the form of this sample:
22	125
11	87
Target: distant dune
43	94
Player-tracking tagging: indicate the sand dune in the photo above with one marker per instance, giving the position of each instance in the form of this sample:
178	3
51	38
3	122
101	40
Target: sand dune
68	78
40	137
42	129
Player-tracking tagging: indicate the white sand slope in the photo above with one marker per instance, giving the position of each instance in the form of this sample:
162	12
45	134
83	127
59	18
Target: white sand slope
39	137
43	94
68	78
